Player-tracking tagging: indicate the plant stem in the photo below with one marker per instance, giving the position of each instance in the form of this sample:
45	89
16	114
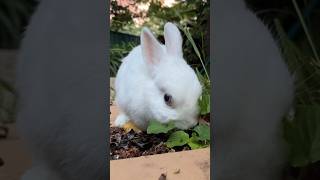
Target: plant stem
306	30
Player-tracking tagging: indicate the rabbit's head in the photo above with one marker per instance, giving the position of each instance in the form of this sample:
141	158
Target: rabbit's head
177	83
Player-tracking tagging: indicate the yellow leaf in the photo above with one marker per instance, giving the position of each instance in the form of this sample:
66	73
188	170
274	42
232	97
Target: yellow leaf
130	125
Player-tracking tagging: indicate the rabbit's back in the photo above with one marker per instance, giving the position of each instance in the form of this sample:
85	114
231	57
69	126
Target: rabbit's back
253	91
133	87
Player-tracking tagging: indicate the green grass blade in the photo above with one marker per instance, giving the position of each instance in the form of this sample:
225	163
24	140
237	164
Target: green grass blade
313	47
195	48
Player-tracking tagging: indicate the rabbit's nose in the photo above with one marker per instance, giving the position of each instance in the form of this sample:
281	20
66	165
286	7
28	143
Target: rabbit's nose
173	115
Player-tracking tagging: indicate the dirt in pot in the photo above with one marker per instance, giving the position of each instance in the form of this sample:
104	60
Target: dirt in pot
124	144
134	144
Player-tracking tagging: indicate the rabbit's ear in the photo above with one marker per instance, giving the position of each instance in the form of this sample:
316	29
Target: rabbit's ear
173	39
152	50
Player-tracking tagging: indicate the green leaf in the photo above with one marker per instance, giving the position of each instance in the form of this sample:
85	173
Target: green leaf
155	127
4	85
303	135
204	99
203	132
204	104
195	48
196	143
178	138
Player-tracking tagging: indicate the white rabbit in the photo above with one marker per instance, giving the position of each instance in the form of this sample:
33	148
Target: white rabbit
61	81
154	82
253	90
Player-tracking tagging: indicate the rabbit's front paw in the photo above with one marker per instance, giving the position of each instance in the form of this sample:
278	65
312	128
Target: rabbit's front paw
121	120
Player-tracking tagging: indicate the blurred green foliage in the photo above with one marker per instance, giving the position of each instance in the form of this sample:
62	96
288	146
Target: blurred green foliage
121	16
7	102
302	130
302	125
117	53
14	16
192	15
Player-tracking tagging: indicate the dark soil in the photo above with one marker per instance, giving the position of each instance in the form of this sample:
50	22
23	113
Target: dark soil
134	144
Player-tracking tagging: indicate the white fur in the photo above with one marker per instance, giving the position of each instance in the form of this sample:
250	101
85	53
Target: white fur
151	70
40	172
61	84
121	120
252	91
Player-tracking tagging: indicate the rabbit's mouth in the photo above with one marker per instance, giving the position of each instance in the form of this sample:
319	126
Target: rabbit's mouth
185	124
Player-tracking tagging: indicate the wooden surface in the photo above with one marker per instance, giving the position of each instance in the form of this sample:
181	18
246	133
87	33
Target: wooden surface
187	165
15	156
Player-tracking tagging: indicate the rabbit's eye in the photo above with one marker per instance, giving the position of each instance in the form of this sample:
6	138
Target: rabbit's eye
168	99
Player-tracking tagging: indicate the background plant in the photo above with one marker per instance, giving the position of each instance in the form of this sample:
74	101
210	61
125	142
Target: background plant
117	53
302	126
193	15
7	106
302	130
14	16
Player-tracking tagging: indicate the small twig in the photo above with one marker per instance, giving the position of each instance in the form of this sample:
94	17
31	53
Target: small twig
306	30
1	162
4	132
163	176
273	10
